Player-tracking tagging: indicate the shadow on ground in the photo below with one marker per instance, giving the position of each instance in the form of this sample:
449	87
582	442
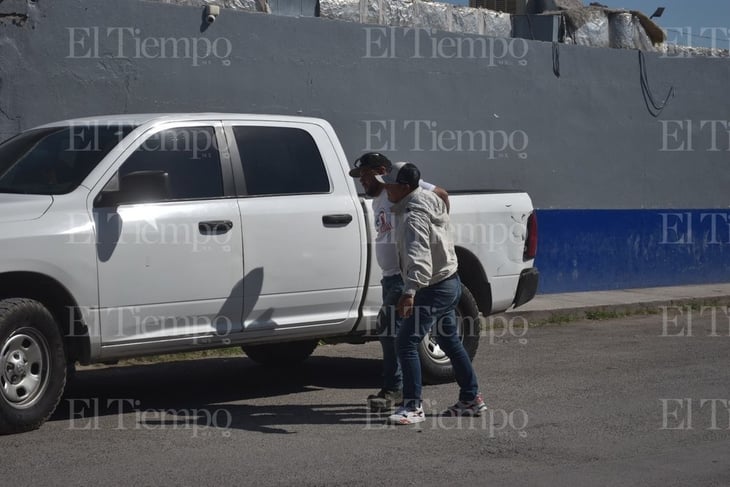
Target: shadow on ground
194	394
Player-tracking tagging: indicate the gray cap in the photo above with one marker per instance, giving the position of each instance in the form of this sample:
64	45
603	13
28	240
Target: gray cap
401	173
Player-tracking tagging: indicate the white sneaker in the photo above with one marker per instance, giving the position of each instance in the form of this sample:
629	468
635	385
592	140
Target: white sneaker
405	415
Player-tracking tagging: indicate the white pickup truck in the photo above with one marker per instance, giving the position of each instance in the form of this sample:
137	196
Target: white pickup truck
131	235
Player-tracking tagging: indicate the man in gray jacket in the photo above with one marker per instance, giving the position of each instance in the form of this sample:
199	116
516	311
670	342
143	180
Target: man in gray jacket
366	168
431	292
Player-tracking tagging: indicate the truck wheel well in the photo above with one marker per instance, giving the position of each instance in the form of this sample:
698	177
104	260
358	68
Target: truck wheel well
54	296
472	275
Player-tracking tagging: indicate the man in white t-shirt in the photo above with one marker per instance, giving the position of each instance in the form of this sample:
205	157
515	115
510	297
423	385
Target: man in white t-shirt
366	168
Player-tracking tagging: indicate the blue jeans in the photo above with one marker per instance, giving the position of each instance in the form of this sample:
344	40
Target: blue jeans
435	304
388	326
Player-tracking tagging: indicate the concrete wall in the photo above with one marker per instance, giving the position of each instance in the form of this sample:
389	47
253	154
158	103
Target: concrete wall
473	112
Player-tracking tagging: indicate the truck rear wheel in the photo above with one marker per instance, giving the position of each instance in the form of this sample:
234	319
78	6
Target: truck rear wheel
435	365
281	354
32	365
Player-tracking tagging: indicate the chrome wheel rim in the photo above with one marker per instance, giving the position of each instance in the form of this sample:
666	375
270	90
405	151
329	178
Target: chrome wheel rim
24	358
432	349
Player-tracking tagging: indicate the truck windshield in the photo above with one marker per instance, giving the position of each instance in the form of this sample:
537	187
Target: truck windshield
55	160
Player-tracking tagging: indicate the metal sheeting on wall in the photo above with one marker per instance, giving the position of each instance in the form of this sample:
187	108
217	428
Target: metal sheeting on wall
599	27
415	13
401	13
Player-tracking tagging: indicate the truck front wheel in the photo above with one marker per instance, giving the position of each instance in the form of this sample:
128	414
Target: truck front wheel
281	354
32	365
435	365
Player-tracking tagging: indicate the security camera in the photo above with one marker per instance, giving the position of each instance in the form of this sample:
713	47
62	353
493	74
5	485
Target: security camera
211	13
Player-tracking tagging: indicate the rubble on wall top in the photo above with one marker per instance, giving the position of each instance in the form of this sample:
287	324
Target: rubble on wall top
595	25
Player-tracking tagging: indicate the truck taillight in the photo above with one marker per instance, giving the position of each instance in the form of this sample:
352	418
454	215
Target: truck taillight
531	240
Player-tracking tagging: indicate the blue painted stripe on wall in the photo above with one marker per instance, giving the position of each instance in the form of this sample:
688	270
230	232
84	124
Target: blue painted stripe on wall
588	250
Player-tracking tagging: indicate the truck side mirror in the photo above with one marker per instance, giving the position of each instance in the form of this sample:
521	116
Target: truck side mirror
135	187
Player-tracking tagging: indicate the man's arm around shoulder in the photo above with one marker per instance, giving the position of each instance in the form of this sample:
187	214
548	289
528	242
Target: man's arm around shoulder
444	195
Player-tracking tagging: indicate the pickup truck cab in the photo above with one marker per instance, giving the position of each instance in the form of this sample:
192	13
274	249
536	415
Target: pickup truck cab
129	235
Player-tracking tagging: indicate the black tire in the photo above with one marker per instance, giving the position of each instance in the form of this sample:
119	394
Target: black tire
435	365
283	354
32	365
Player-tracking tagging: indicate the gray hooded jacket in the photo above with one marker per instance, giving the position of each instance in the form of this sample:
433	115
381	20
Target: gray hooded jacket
425	247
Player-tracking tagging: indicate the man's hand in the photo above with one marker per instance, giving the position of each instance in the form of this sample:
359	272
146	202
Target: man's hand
441	193
405	305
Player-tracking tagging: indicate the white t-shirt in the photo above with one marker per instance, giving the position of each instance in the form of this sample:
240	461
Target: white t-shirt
386	252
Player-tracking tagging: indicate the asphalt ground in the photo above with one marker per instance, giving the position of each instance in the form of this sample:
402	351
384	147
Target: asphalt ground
639	400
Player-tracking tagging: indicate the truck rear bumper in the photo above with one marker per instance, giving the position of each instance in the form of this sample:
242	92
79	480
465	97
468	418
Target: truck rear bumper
527	286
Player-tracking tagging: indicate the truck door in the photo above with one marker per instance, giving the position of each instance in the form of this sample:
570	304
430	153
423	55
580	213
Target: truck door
302	242
170	261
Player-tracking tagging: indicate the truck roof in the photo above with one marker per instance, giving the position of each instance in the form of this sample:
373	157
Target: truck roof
143	118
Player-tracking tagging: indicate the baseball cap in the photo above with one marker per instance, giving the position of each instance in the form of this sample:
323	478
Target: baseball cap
401	173
369	159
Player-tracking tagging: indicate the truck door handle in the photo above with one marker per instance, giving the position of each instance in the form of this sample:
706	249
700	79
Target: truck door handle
215	227
336	220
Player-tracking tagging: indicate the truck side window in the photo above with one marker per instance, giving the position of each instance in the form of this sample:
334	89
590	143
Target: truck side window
190	157
280	160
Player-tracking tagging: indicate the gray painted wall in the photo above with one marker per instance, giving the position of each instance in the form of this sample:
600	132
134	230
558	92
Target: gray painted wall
589	139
